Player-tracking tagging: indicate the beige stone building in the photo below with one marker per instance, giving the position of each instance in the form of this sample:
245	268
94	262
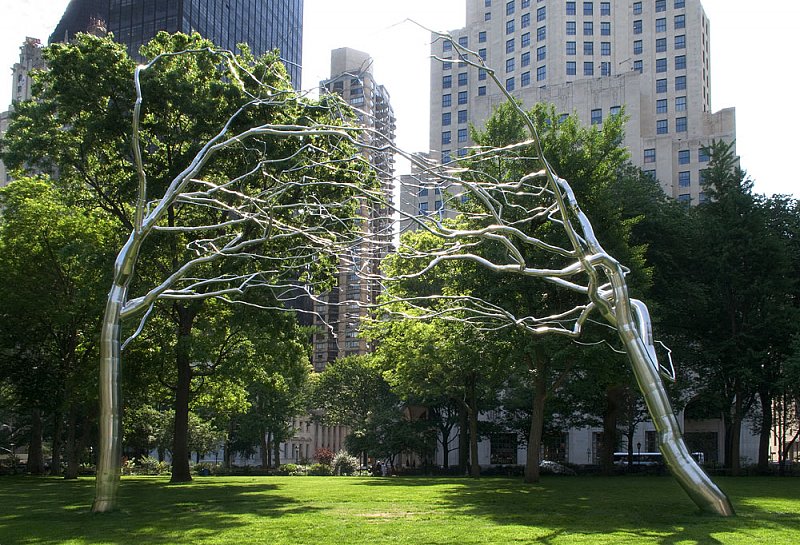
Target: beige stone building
590	58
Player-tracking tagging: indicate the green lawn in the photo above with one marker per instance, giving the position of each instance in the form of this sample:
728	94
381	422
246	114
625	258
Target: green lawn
350	510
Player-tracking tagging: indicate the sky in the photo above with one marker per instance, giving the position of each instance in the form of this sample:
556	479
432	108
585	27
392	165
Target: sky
751	66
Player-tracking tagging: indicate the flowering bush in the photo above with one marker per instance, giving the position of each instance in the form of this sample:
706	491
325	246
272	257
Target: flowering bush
324	456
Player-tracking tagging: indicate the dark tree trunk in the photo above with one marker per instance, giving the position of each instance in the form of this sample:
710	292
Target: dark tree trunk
474	466
538	366
610	418
735	434
463	439
71	447
277	449
263	448
35	452
180	448
766	430
58	443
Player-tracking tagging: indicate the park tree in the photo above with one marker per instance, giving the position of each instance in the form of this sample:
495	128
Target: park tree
243	184
53	257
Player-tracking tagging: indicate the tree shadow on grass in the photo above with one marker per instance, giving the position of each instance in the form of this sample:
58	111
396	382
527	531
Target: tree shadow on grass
153	511
624	509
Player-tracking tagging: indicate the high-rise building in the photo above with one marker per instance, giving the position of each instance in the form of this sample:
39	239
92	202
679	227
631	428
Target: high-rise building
262	24
30	58
339	318
591	58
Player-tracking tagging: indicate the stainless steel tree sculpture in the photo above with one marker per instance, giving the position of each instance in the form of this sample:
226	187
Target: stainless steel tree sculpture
291	205
504	207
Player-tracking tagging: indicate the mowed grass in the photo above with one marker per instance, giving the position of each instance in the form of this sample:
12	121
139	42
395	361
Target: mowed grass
351	510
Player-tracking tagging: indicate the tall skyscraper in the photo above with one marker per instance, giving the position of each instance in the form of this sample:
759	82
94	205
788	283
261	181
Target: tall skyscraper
592	58
339	320
262	24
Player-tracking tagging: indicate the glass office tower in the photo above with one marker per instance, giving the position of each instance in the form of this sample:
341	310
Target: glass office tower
262	24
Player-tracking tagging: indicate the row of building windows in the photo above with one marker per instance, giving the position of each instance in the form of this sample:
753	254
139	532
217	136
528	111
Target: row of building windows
684	156
661	5
588	28
662	125
588	68
588	8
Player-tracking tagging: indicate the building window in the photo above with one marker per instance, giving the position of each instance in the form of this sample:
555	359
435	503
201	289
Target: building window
661	65
702	156
445	137
462	79
588	48
605	28
482	91
571	48
481	74
662	126
637	47
462	116
510	45
597	116
487	16
510	27
702	198
525	59
684	178
588	8
526	4
571	8
541	33
541	13
446	65
541	73
650	155
661	45
680	83
588	28
541	53
447	82
487	3
571	28
637	8
447	45
680	22
525	40
445	159
661	24
680	62
447	100
510	84
681	124
637	26
423	206
661	106
463	41
680	41
525	79
510	64
482	53
680	104
482	36
462	97
605	8
605	68
685	197
637	66
680	3
605	49
588	68
684	157
446	118
503	449
651	173
510	8
571	68
615	110
661	86
525	20
661	5
462	135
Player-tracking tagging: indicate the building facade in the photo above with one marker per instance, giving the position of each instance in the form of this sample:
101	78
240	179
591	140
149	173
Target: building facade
591	58
262	24
339	317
